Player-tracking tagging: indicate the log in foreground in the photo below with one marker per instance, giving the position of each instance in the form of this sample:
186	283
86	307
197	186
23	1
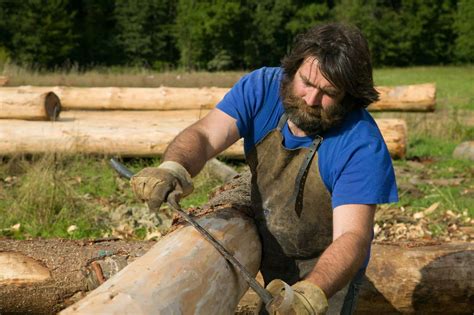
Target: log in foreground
45	276
420	97
29	105
425	279
183	273
132	133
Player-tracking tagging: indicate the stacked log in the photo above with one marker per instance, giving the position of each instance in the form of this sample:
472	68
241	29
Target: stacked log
132	133
3	80
164	113
29	105
406	98
420	97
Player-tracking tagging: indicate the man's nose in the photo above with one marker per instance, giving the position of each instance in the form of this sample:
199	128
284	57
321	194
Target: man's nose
313	97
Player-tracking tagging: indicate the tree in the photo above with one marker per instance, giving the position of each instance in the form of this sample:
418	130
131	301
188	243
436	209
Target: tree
307	16
95	25
42	33
143	30
267	40
464	28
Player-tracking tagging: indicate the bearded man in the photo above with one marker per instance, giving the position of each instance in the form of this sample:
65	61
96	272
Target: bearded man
318	161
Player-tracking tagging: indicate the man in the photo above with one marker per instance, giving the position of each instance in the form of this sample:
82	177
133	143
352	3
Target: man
318	161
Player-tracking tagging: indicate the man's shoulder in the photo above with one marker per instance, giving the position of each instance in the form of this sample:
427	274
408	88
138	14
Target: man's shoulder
358	136
359	126
265	76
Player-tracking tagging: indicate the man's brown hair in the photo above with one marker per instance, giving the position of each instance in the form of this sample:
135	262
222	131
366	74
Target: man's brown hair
344	60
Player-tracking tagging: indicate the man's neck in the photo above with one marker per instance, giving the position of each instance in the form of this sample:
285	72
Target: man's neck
295	130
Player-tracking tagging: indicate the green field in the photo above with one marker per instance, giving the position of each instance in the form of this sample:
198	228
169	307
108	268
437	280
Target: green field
81	197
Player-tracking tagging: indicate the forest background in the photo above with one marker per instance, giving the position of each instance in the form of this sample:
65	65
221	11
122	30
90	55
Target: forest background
191	43
223	34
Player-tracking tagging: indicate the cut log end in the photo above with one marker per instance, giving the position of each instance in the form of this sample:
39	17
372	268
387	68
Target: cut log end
52	106
21	269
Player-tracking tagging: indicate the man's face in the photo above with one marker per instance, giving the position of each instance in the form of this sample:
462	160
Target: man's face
311	101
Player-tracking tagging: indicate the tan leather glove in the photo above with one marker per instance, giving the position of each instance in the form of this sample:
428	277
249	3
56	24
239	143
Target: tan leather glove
308	298
154	184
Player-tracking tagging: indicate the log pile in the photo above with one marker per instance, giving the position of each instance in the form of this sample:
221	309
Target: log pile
420	97
107	120
131	133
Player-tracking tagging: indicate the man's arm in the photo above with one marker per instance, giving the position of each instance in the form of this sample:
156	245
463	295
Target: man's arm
352	234
198	143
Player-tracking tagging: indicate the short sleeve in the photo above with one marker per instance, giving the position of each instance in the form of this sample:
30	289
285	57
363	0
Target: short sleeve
242	101
365	175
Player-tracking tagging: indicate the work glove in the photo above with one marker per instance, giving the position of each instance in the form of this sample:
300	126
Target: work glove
308	299
154	184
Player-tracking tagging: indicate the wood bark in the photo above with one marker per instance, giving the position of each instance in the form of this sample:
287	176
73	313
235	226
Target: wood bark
436	279
420	97
132	133
29	105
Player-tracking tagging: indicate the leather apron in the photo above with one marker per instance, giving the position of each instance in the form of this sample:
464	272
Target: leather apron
292	207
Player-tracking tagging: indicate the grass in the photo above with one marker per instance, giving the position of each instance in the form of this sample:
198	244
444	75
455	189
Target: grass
126	77
80	196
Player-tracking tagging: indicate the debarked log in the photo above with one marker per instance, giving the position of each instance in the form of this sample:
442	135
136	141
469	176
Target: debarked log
183	273
132	133
406	98
29	105
418	97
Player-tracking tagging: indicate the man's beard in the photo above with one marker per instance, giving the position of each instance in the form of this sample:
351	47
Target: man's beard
311	119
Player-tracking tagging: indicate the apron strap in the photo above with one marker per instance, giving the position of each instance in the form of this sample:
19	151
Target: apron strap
282	121
297	197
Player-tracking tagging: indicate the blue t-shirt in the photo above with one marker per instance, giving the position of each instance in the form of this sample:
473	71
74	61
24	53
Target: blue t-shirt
354	162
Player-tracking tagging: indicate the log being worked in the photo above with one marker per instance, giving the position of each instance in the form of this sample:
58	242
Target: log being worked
45	276
131	133
420	97
29	105
183	273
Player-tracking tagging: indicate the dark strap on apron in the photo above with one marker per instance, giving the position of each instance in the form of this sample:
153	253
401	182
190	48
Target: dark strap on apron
297	196
282	121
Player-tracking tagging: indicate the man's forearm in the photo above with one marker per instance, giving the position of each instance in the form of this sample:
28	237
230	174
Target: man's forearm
339	263
189	149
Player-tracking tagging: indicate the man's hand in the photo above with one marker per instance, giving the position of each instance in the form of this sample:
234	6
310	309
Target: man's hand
308	298
154	184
